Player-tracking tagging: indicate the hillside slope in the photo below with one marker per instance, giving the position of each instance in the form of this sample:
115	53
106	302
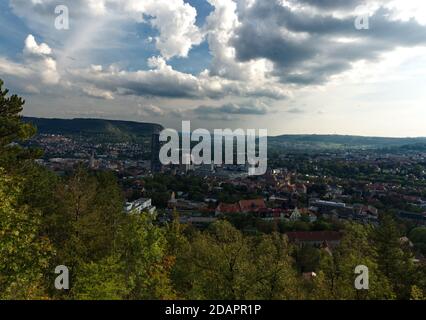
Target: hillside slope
100	129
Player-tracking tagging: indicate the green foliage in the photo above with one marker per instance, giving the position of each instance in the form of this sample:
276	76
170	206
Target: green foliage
337	276
418	237
97	130
11	127
394	262
101	280
417	294
142	249
24	254
418	234
222	263
13	130
308	258
275	276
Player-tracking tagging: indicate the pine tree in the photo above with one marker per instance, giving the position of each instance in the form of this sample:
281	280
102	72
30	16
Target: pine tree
13	130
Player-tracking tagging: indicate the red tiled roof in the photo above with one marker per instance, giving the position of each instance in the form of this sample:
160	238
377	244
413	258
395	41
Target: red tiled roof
252	205
314	236
228	208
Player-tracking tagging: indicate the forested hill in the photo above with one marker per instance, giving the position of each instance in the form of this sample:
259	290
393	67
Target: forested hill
125	131
113	130
343	142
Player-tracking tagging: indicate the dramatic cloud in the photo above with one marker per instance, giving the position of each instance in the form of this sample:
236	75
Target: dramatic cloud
163	81
199	56
309	47
253	43
174	20
38	64
220	29
32	48
39	59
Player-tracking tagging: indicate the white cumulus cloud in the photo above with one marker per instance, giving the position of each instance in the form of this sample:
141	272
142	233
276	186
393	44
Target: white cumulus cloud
38	58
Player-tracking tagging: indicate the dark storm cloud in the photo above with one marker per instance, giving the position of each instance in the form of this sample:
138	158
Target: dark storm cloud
307	48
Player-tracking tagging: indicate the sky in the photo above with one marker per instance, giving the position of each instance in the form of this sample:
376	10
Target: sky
288	66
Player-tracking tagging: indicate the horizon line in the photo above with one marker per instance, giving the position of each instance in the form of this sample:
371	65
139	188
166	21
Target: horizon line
270	136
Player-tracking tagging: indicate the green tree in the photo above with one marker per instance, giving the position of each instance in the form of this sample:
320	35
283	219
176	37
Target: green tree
417	294
219	263
142	248
24	254
394	262
418	237
178	247
76	223
83	226
337	277
308	258
274	276
13	130
103	280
